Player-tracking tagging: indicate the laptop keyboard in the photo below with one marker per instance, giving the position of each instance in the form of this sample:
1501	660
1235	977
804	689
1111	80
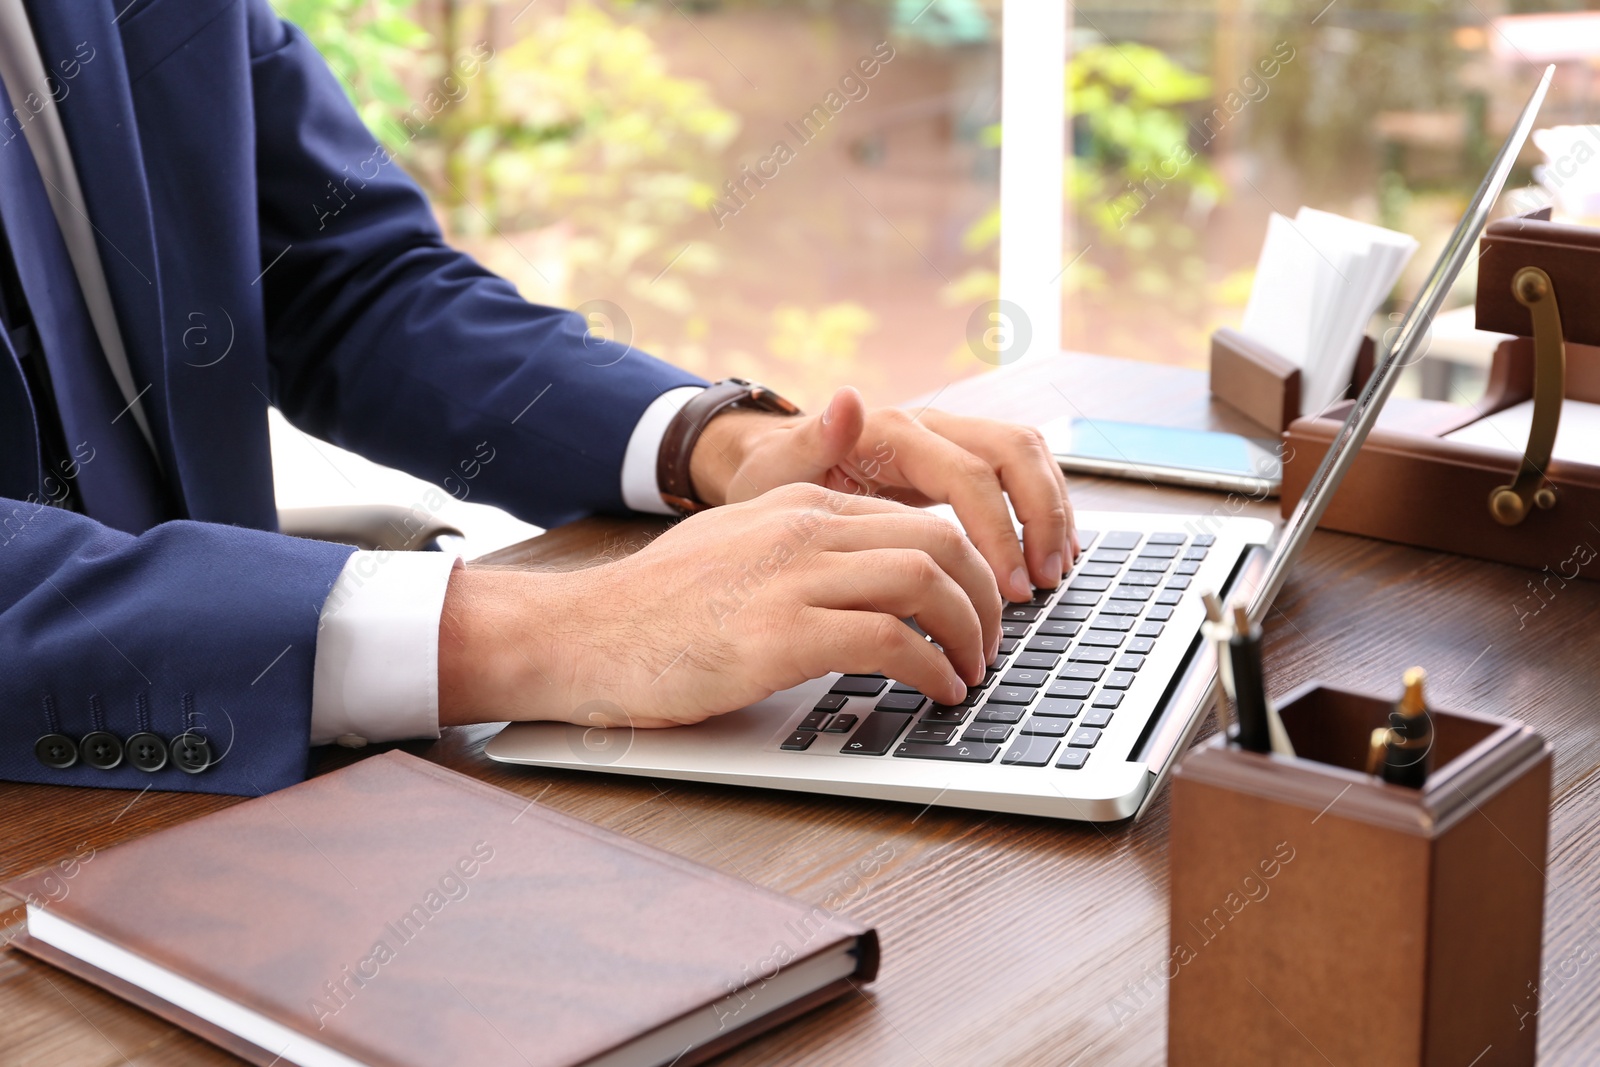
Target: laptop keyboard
1066	659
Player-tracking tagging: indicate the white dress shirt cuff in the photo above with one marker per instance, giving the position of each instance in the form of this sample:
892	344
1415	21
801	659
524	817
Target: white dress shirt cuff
376	673
640	490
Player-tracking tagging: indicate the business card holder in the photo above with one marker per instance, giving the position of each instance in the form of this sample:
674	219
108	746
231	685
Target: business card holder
1322	915
1264	386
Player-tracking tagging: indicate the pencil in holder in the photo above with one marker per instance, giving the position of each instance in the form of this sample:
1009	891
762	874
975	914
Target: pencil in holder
1320	914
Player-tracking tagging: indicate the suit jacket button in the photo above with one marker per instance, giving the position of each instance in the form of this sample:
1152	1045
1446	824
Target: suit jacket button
191	753
56	750
147	752
101	750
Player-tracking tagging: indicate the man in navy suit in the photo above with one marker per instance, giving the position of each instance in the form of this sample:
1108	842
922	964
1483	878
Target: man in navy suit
164	164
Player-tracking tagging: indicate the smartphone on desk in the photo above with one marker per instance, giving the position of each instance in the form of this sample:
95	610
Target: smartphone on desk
1196	459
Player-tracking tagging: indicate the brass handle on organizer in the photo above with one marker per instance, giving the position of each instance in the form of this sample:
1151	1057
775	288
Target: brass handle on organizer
1509	504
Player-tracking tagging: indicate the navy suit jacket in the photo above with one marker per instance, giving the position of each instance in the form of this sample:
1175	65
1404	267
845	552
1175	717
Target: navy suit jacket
205	134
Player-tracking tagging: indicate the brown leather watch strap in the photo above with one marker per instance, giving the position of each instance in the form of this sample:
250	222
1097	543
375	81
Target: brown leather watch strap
683	433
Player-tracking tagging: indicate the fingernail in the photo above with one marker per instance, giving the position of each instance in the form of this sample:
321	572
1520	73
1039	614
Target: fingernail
1020	586
1052	566
827	413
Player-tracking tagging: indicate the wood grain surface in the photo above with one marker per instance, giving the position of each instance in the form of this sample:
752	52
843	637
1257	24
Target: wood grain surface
1007	939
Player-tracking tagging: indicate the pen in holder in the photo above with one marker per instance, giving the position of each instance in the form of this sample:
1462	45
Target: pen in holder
1322	914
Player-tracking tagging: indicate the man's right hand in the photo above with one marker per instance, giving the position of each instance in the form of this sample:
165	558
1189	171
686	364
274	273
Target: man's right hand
722	610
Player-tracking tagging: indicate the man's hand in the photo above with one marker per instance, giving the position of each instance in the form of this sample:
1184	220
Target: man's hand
720	611
971	464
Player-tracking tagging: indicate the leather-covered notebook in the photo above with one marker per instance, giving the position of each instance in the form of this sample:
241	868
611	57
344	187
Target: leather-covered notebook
398	914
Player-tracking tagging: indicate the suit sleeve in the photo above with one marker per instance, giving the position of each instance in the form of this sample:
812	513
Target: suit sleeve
191	630
386	341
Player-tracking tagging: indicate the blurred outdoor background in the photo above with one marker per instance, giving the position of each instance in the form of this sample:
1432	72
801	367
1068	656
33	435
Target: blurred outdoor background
584	150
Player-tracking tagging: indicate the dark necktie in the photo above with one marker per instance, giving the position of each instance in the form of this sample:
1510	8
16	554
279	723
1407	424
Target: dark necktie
100	451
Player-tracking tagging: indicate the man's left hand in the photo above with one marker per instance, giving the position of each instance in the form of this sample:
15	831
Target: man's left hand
932	458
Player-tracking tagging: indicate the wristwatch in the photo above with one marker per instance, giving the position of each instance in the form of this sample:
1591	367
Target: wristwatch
683	433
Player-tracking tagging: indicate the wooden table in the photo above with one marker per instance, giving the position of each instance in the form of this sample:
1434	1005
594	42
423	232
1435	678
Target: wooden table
1006	939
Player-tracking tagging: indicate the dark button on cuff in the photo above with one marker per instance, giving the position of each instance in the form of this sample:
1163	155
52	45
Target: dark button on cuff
57	751
147	752
101	750
191	753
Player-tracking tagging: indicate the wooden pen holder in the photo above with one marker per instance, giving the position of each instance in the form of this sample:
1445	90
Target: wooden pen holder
1322	915
1262	385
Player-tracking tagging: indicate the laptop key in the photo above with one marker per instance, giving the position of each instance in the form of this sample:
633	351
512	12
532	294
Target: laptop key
1195	552
1100	570
961	752
1070	689
1101	639
1141	578
1164	551
1130	663
1039	661
1090	583
1012	628
988	733
946	713
859	685
1180	582
1084	737
912	701
1058	628
832	702
1011	694
1048	643
1030	751
1072	759
1055	707
932	732
876	734
1130	592
1020	677
816	720
1142	645
1205	540
1020	612
1122	607
1109	555
1086	537
1118	680
1081	597
798	741
1187	566
1097	717
1166	538
1000	713
1090	654
901	687
1104	621
1046	727
1069	613
841	724
1150	629
1149	563
1120	539
1009	645
1107	698
1083	672
1042	597
1159	613
1169	596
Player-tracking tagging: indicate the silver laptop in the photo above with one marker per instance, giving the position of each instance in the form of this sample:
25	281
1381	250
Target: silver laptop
1100	685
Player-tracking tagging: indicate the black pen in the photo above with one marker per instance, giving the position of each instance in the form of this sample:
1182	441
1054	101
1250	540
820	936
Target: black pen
1408	754
1249	689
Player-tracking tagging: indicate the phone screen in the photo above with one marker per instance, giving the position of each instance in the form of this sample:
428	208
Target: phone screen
1162	446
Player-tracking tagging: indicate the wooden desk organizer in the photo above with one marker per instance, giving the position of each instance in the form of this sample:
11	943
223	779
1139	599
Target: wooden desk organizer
1261	384
1321	915
1409	485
